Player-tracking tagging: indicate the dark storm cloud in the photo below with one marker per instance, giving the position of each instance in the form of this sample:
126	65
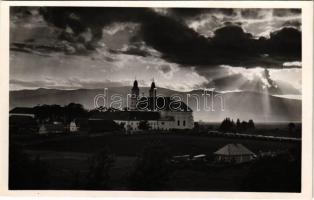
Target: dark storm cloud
280	12
294	23
188	12
178	43
165	68
95	18
251	13
230	45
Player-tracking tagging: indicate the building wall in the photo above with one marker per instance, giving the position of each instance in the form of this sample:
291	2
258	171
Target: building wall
73	127
133	102
22	114
154	124
234	159
182	120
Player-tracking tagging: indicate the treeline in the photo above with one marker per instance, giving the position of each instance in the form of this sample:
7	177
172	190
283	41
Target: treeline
60	113
228	125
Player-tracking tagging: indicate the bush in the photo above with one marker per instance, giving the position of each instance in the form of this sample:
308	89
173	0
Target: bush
100	164
26	173
152	169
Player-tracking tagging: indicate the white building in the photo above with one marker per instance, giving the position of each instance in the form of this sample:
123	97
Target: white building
131	120
73	127
22	111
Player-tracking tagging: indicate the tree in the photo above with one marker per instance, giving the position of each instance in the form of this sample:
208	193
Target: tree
244	126
196	127
227	125
144	125
73	111
291	127
27	173
152	169
55	112
238	125
100	164
251	125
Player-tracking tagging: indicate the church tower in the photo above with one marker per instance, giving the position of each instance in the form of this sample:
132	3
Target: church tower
134	95
152	90
152	96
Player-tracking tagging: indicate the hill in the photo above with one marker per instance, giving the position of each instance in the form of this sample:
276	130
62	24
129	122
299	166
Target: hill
244	105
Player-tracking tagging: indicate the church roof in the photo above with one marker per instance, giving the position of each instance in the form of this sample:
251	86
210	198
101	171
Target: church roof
126	115
234	150
162	104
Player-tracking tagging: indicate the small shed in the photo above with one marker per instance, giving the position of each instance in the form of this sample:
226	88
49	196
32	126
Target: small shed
51	128
234	153
73	127
42	130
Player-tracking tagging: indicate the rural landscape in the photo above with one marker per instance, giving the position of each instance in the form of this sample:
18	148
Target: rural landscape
155	99
179	160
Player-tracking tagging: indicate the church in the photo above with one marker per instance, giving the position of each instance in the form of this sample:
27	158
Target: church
160	112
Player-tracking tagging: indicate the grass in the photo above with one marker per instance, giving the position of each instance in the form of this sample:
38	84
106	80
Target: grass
124	145
67	158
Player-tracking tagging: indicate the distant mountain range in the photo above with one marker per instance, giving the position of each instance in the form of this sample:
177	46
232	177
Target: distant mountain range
244	105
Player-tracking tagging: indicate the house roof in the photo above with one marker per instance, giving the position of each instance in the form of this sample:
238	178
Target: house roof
162	104
234	150
126	115
102	125
53	127
166	118
22	110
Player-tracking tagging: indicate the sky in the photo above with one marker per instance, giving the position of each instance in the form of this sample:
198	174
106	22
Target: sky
180	48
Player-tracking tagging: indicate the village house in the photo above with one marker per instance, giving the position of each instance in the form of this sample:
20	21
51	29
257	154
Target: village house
234	153
131	120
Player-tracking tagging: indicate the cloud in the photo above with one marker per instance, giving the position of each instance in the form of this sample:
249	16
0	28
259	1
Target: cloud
293	23
230	45
31	84
254	13
188	12
165	68
182	49
164	33
71	83
270	81
295	64
280	12
137	48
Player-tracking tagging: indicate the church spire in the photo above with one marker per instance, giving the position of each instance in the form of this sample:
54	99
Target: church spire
152	91
135	84
134	95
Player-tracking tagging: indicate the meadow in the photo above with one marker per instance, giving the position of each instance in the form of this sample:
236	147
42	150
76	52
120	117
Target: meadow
66	162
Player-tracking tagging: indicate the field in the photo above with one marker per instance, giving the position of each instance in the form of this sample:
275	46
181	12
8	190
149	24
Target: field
67	162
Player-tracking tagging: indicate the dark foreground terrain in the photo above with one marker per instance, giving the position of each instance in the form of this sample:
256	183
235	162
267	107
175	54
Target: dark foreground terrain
143	162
